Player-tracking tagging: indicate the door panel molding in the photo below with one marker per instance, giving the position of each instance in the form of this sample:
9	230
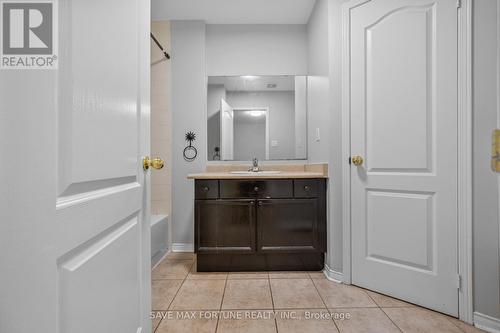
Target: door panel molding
464	149
90	265
411	125
85	196
379	222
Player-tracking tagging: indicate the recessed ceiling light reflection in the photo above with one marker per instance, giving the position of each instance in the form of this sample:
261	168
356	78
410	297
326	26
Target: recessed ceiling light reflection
249	77
256	113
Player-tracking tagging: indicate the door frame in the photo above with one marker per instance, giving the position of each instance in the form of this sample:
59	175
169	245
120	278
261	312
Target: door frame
464	181
498	116
268	128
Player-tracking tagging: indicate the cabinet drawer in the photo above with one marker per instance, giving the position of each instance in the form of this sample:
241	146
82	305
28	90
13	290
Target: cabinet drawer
282	188
306	188
206	189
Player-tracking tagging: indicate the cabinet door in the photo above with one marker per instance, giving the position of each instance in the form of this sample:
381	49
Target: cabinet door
225	226
288	225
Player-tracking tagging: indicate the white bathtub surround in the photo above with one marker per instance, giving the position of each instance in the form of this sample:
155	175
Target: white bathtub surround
159	238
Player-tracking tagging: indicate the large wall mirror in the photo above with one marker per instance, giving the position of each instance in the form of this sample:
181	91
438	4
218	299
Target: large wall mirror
257	116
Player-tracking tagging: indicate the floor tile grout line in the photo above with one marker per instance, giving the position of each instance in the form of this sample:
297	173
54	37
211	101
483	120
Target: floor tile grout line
221	302
370	297
177	292
172	300
240	310
380	308
354	307
328	310
223	294
272	302
397	326
319	294
182	283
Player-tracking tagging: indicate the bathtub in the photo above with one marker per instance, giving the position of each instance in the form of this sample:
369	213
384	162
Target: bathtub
159	237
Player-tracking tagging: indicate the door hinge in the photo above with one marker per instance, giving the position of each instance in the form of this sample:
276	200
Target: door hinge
459	3
458	282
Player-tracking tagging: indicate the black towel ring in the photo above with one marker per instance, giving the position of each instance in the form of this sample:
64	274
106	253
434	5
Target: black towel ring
190	152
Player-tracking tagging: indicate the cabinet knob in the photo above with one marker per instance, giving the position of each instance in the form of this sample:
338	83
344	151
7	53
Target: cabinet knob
307	188
256	189
260	203
206	188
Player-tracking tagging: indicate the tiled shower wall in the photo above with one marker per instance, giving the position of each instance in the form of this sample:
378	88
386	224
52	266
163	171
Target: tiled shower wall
161	119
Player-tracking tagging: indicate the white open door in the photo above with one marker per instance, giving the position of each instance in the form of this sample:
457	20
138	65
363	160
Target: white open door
226	131
74	199
403	104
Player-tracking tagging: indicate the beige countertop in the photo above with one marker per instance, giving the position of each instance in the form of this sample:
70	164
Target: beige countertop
223	171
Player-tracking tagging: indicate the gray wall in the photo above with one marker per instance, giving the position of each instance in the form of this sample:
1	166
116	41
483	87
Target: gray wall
335	243
281	117
324	113
318	84
189	100
256	49
485	181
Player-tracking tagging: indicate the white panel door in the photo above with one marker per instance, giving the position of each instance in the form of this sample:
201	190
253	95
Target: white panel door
226	131
403	98
75	249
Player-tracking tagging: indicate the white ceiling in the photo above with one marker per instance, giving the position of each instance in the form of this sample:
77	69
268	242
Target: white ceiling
234	11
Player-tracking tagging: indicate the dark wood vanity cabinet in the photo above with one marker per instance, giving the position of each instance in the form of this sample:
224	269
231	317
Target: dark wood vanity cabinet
244	225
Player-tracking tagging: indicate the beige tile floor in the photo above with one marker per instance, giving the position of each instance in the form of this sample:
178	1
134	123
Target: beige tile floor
185	300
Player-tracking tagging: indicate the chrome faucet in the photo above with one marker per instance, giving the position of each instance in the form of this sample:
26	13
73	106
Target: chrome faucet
255	165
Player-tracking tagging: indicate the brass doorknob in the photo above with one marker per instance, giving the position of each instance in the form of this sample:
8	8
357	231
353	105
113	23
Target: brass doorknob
155	163
357	160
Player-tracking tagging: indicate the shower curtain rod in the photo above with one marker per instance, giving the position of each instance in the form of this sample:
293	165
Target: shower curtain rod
159	45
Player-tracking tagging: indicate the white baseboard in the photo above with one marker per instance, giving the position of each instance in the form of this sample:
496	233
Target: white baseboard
486	323
182	247
333	275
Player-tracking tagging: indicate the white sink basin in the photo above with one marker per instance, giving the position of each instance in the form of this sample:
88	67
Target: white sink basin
258	173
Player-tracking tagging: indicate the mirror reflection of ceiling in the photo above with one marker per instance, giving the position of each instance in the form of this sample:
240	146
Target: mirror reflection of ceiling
254	83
